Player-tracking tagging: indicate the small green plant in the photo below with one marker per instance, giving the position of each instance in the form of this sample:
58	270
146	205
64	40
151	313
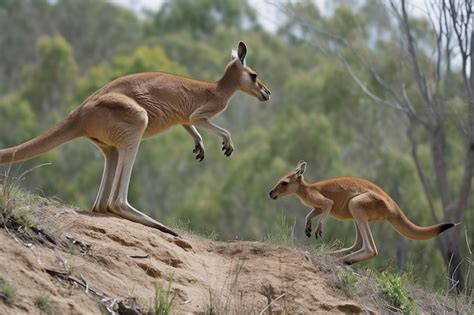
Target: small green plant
71	249
282	232
25	218
7	291
211	308
393	289
164	298
346	280
44	304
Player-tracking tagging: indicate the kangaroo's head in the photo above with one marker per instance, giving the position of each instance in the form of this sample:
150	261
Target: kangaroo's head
289	183
245	78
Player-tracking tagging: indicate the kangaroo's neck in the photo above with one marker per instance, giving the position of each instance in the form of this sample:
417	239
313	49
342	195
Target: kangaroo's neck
229	82
304	191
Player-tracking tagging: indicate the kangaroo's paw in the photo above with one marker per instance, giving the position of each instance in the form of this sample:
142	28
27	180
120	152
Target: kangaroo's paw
227	147
199	151
307	229
319	230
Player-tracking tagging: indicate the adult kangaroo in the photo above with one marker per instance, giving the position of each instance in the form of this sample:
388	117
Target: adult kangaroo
351	198
117	116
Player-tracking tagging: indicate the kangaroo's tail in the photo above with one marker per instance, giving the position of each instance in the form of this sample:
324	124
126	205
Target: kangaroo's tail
62	132
412	231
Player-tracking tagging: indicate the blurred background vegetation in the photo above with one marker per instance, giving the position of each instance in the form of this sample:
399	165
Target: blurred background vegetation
53	54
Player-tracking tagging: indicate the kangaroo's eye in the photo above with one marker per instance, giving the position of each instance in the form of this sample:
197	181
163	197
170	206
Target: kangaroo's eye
253	76
284	183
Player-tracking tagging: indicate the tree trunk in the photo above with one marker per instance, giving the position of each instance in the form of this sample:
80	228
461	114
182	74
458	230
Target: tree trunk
453	260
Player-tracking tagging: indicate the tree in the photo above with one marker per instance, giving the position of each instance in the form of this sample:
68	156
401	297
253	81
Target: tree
200	18
52	80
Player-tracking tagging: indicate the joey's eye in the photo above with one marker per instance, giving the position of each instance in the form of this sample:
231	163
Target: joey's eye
284	183
253	76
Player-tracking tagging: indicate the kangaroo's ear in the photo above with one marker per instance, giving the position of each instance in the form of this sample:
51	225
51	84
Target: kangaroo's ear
242	52
300	168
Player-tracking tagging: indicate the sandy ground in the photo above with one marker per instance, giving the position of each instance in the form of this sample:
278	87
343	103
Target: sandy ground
88	262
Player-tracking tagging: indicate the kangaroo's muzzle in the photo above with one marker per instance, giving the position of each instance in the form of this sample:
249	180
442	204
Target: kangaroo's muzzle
272	195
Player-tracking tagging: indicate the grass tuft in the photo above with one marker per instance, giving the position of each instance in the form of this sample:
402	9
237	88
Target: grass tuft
24	217
7	291
164	298
346	280
282	232
44	304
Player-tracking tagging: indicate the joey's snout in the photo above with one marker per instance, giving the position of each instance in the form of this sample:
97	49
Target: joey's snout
273	195
265	94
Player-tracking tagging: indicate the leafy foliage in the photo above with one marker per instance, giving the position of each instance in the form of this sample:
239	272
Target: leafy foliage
393	288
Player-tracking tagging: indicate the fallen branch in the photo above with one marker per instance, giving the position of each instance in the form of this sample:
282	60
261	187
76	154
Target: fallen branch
270	304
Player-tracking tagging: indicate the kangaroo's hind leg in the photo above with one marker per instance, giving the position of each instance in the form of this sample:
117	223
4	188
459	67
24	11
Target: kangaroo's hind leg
118	200
356	246
110	165
120	124
358	206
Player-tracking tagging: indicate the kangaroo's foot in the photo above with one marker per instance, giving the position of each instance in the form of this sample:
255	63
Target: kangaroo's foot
124	210
100	209
360	255
342	252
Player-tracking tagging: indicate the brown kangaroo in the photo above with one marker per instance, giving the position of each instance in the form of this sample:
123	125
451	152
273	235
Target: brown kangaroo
351	198
117	116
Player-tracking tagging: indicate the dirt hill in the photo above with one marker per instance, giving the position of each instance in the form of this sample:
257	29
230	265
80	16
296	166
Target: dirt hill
75	262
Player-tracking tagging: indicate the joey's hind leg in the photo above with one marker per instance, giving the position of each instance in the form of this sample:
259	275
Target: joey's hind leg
356	246
358	207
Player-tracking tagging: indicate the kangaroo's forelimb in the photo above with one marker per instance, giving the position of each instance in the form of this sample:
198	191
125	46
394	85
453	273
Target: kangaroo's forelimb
307	221
198	144
227	145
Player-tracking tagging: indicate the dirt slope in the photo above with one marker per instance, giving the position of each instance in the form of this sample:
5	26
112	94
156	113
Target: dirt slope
115	260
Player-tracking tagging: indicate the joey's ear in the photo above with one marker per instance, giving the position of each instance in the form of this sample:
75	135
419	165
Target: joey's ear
242	52
300	168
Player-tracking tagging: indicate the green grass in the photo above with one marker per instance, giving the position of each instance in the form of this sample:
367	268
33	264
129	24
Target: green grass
7	291
393	289
23	215
44	304
164	298
282	232
346	280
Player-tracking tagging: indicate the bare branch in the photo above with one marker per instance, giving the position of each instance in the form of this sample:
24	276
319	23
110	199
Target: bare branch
421	173
420	77
366	90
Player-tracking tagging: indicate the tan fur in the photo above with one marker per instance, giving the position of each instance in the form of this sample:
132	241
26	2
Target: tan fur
351	198
132	107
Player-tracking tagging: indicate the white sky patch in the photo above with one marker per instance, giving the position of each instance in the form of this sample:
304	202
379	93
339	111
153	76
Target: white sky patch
268	12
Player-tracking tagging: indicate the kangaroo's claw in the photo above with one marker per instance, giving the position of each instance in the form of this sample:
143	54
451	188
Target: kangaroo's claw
199	151
307	230
319	231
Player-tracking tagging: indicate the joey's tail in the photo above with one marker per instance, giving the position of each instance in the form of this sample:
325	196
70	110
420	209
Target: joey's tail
412	231
62	132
